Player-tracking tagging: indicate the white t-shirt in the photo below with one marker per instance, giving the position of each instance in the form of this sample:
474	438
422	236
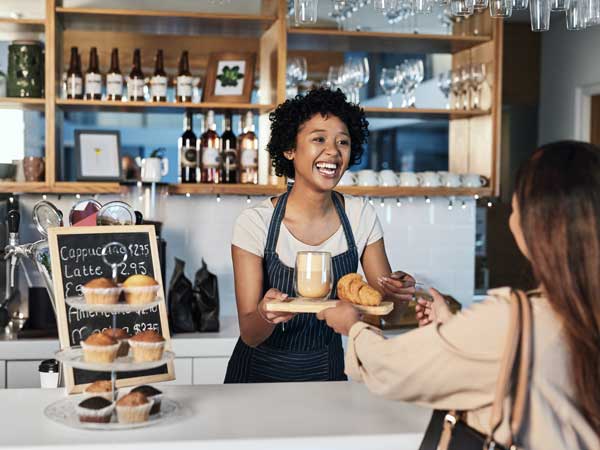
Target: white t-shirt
252	226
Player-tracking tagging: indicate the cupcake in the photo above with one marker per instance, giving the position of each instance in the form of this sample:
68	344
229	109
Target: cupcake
147	346
100	388
100	348
151	393
121	337
133	408
101	291
95	410
140	289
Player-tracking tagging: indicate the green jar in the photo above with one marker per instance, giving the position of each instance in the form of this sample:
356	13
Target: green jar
25	69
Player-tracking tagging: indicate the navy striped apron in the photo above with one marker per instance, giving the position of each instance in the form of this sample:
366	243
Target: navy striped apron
304	348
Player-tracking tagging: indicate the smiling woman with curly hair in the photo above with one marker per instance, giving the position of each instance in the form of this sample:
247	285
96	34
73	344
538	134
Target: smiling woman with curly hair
314	139
291	115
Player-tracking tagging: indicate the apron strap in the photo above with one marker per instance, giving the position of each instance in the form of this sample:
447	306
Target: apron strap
275	224
345	222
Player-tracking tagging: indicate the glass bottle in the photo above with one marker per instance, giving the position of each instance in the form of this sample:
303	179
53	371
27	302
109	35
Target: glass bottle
211	151
93	79
114	79
248	146
158	82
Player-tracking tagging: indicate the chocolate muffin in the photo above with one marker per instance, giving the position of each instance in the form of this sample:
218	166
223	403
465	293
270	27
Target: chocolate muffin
95	410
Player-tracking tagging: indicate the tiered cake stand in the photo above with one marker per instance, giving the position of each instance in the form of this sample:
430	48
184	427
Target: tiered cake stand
64	411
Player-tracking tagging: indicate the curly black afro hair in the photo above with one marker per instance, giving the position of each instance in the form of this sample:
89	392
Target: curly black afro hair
290	115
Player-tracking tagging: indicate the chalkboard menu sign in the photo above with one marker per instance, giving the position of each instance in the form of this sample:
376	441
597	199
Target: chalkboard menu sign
76	258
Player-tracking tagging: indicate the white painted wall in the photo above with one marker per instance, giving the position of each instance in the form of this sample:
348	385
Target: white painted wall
435	244
569	61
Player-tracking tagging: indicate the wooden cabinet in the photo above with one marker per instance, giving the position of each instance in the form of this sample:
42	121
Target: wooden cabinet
2	374
22	374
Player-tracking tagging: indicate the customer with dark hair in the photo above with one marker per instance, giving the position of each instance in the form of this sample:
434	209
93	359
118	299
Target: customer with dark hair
314	139
455	363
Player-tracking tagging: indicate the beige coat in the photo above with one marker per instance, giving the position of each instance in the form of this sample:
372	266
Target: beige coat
455	366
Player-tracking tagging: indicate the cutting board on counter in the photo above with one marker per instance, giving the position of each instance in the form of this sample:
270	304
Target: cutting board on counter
306	305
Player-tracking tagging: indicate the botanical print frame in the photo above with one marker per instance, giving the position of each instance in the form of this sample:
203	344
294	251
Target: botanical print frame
229	77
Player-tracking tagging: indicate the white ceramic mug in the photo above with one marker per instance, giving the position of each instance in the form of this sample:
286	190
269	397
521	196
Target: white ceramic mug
367	178
473	180
450	179
153	169
429	179
348	179
408	179
388	178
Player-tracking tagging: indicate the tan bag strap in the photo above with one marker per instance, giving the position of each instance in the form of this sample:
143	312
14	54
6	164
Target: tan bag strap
519	339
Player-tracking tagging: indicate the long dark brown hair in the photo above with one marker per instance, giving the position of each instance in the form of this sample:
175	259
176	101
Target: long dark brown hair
558	195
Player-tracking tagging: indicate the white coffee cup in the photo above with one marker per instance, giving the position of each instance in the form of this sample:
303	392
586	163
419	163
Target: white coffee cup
473	180
153	169
429	179
450	179
49	370
367	178
408	179
348	179
388	178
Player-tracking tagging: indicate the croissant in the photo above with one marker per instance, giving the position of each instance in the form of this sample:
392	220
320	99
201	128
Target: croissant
353	288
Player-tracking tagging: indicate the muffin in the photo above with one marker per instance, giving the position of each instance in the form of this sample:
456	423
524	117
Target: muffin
100	348
101	291
100	388
95	410
122	338
140	289
147	346
133	408
151	393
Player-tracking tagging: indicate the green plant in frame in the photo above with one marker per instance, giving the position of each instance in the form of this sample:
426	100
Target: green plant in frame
230	76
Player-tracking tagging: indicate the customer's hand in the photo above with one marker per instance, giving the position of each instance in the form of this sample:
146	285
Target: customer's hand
341	317
399	286
273	317
436	311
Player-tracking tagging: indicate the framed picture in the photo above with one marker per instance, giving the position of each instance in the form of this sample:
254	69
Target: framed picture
229	77
98	155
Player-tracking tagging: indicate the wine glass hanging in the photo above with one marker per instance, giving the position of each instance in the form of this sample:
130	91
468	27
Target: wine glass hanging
579	14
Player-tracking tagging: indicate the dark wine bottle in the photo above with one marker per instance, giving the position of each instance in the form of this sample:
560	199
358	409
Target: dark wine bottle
229	154
188	159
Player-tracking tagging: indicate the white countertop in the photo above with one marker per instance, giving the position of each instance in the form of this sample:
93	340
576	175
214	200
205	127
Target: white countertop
185	345
340	415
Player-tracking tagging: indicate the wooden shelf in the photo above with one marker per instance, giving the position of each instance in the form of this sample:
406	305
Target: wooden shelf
225	189
164	22
172	106
370	41
8	24
423	113
14	187
376	191
22	101
80	187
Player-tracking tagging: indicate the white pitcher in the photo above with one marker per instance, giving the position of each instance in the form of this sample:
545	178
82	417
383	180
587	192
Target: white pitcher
153	169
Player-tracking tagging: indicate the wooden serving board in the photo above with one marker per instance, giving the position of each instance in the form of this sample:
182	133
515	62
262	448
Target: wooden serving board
305	305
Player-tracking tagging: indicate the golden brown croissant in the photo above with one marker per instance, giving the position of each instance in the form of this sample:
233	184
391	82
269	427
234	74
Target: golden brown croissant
352	288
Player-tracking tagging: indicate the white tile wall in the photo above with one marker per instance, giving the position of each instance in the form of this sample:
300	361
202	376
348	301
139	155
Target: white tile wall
430	241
